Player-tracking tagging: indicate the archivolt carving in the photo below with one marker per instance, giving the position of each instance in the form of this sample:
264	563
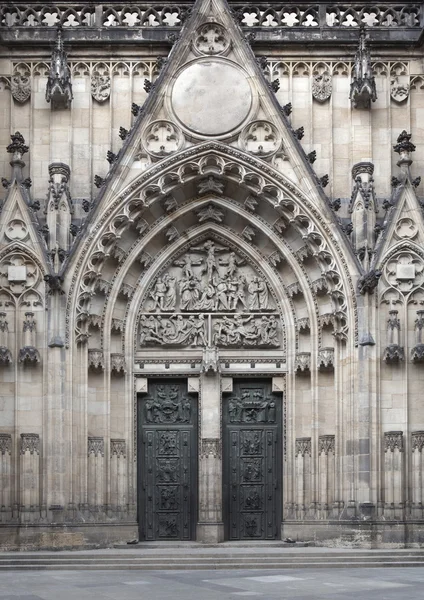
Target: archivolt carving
227	164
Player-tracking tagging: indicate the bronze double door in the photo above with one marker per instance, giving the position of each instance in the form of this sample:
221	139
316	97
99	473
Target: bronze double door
168	461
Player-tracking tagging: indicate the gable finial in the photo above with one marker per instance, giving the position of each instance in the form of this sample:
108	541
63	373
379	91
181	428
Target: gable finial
17	147
404	147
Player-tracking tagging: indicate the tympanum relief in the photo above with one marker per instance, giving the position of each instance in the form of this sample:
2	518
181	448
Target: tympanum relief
209	296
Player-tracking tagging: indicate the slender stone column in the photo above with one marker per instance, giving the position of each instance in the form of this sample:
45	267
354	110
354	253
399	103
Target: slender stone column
210	527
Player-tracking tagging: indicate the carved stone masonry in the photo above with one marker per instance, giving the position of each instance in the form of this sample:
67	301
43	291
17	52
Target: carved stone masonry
303	446
20	86
96	359
404	147
399	88
210	213
59	86
100	87
393	352
417	352
30	442
393	440
368	282
211	39
303	362
325	358
5	443
211	447
362	88
96	446
117	363
29	354
210	360
118	448
417	439
5	354
322	87
326	444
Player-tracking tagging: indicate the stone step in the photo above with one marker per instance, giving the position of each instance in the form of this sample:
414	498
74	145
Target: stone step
210	560
207	566
219	558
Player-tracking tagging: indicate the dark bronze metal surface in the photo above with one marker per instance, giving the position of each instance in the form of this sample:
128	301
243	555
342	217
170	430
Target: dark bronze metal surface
252	461
167	462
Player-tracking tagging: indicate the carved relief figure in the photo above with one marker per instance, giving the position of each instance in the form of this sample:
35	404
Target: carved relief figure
252	407
167	407
210	288
166	471
209	284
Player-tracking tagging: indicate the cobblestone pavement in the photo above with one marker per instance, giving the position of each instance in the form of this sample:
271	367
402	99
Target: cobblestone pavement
302	584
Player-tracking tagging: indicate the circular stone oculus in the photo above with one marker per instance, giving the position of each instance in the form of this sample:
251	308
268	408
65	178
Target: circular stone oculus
211	97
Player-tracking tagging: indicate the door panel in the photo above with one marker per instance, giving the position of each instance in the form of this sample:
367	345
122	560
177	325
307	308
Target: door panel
252	473
167	462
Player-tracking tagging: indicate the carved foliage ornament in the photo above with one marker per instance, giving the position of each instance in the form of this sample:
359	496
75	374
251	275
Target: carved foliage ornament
100	87
30	442
211	39
21	88
260	138
393	440
322	87
161	138
95	446
303	447
5	443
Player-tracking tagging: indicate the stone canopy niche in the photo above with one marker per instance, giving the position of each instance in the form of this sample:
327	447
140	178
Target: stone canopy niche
209	296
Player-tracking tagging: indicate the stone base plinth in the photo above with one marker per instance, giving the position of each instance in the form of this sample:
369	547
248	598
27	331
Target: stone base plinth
356	534
66	537
210	533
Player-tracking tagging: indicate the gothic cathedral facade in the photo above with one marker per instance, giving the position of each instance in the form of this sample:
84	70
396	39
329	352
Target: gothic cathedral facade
211	273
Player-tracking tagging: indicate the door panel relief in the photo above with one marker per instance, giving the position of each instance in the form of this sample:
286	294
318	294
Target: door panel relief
167	462
252	449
